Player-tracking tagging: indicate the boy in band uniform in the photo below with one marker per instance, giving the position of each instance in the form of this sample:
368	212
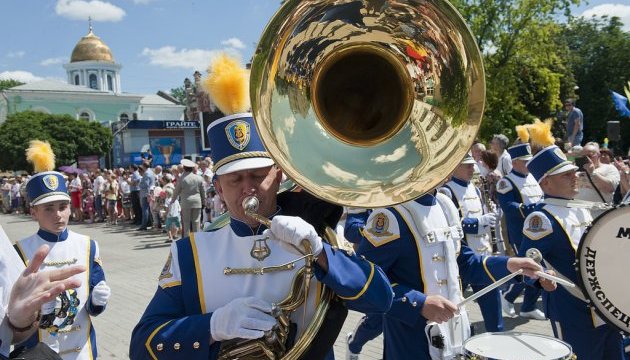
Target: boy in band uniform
65	323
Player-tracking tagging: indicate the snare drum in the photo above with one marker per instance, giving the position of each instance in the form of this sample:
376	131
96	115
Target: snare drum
516	346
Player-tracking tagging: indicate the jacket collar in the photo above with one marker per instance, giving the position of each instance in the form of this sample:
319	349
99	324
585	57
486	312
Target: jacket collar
242	229
460	182
52	237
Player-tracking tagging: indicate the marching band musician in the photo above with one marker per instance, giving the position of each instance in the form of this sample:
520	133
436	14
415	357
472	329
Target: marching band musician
64	324
555	228
197	306
476	224
371	325
200	304
418	246
515	192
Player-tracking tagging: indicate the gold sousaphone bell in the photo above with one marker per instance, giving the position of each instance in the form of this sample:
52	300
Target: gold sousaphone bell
364	104
367	103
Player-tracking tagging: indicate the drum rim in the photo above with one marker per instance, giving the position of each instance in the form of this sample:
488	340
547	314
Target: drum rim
503	333
581	281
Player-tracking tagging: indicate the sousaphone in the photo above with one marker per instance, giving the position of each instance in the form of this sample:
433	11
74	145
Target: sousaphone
366	103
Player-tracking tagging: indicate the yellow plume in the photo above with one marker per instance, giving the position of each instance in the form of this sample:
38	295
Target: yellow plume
227	84
540	133
41	155
523	133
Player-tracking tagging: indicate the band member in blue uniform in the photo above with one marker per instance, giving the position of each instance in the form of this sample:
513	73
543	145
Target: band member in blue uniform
371	325
476	223
66	329
516	192
199	304
23	290
418	245
555	228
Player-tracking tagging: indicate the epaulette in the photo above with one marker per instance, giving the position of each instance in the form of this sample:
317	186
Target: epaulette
381	227
537	225
504	186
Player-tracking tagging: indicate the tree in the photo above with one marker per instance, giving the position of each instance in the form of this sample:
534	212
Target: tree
525	73
5	84
598	55
68	137
180	94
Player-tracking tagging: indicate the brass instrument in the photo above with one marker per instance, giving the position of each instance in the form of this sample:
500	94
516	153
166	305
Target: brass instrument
364	104
484	185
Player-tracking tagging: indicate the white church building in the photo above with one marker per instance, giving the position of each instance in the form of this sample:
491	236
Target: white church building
94	92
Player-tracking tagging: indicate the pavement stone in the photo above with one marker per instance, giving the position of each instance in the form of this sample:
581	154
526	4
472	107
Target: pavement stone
132	261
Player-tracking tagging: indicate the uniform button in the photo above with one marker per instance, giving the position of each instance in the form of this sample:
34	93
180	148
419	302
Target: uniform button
404	299
159	347
414	304
196	345
176	346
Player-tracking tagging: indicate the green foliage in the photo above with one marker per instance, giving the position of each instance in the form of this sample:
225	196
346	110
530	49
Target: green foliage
525	70
180	94
599	58
5	84
68	137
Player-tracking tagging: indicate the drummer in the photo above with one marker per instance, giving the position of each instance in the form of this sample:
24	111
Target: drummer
555	229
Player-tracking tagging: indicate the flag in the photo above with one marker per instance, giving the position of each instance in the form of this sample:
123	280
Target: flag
621	104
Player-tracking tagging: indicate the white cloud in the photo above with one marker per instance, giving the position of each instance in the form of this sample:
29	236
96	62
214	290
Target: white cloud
16	54
19	75
234	43
619	10
53	61
193	59
398	154
96	9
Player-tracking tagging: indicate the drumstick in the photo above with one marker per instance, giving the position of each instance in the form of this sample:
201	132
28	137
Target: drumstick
536	255
555	278
489	288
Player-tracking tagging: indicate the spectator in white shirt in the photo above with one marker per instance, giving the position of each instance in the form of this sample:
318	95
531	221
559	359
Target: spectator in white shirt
498	145
597	181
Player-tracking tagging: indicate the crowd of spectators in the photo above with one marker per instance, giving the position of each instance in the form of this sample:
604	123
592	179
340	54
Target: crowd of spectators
174	200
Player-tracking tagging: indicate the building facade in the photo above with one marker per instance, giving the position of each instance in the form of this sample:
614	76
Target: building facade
93	92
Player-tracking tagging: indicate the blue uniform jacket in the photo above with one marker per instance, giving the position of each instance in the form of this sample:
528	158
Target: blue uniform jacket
541	230
512	204
404	325
175	327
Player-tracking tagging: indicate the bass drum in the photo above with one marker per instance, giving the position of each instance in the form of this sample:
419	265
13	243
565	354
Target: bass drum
516	346
602	261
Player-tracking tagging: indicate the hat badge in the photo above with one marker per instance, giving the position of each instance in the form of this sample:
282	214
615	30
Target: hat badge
238	133
51	182
559	154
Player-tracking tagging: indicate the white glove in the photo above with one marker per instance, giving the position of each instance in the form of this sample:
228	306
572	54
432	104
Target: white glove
292	230
100	294
488	220
241	318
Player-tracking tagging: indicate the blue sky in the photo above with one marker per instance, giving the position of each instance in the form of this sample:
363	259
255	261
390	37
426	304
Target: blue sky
158	42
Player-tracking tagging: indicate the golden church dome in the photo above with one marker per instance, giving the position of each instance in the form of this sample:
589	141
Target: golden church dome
91	48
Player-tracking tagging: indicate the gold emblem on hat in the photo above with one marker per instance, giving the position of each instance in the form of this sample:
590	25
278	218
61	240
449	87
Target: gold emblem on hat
559	153
51	182
238	134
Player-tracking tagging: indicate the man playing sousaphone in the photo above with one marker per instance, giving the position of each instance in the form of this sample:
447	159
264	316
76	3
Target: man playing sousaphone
223	285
